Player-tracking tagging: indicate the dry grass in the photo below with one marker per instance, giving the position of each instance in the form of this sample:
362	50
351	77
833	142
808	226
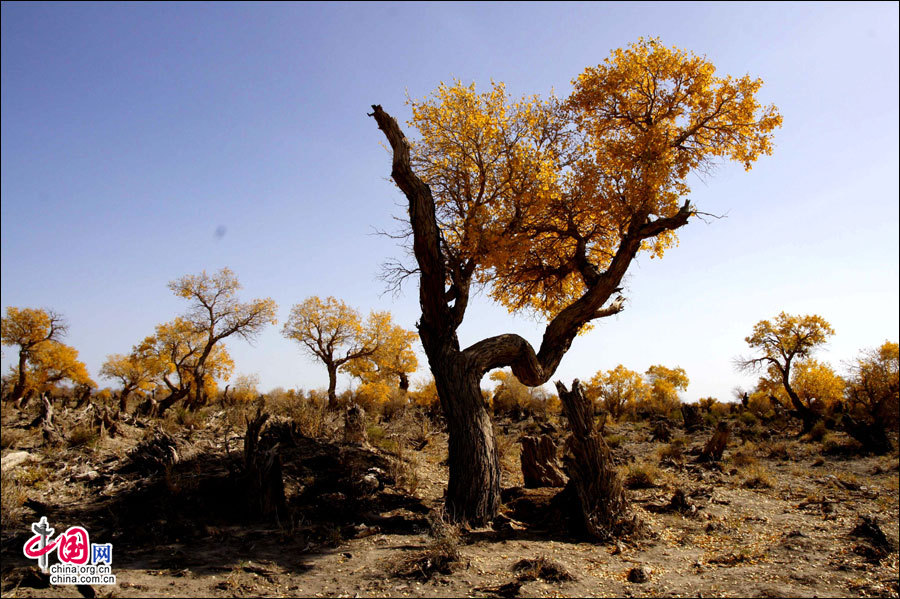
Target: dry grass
642	475
756	477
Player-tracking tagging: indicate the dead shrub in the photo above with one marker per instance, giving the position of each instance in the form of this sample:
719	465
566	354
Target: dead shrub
440	557
744	455
541	568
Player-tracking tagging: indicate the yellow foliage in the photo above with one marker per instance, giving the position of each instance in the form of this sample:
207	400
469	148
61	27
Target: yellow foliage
391	362
524	188
817	384
43	359
873	390
617	390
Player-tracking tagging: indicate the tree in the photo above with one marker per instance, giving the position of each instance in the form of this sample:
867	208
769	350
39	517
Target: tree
215	314
178	347
43	359
333	332
388	367
780	345
547	202
664	384
139	371
873	394
617	389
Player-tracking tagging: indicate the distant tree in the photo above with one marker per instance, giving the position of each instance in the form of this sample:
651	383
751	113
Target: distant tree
664	384
215	314
332	332
873	388
547	202
387	369
43	359
617	390
139	371
782	343
179	347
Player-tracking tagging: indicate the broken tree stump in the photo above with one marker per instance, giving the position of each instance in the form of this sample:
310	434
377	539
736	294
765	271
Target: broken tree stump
712	452
690	412
661	430
539	465
262	465
49	431
593	479
355	425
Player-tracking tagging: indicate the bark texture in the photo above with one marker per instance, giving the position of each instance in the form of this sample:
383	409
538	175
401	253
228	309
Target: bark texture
593	479
540	467
712	451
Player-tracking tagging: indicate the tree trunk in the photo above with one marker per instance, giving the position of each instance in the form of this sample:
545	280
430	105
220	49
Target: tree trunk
593	479
809	416
18	392
173	397
332	386
473	491
123	400
539	465
404	381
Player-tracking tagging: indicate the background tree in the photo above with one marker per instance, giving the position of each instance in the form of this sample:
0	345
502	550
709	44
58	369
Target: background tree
43	359
333	332
663	387
139	371
178	346
873	394
547	202
617	390
780	344
215	314
386	370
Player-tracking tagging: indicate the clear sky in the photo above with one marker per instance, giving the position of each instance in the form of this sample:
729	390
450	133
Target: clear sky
131	133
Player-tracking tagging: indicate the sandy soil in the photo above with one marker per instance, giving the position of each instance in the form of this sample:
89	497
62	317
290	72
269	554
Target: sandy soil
775	518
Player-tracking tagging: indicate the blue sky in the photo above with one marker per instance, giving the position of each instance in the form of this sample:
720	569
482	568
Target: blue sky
130	133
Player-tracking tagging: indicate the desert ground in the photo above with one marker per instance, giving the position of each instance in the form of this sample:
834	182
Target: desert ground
777	516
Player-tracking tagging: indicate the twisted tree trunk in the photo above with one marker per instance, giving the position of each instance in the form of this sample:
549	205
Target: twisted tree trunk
473	492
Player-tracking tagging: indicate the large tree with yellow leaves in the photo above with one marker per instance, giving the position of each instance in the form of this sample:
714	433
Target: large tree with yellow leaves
546	202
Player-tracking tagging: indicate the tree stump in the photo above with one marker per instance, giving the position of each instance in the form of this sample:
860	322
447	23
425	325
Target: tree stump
712	452
262	466
690	412
45	421
355	425
661	430
593	479
539	465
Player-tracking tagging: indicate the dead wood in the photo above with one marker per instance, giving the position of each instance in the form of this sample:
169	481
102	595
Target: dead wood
262	466
355	425
539	464
593	480
712	452
155	454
